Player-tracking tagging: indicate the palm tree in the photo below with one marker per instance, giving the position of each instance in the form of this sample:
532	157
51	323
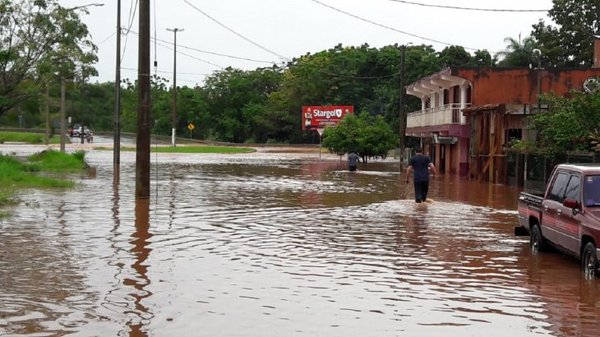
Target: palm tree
518	53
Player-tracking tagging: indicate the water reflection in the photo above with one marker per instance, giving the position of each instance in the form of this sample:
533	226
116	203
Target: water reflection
141	315
261	245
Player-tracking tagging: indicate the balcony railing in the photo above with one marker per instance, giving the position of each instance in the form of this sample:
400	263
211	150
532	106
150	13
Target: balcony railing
446	114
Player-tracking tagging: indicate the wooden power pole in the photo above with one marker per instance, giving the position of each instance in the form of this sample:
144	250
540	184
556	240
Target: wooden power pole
402	113
142	163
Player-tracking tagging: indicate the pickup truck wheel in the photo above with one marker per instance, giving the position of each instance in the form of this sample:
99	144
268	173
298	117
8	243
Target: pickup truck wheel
589	261
536	241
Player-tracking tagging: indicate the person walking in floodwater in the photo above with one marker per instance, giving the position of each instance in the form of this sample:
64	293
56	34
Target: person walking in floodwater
420	165
353	159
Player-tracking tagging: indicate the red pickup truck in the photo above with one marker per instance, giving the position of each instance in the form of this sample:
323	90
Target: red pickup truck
567	215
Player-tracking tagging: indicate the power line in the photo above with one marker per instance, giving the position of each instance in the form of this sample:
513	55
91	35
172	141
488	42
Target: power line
384	26
132	14
167	46
350	77
212	53
472	8
170	72
108	38
236	33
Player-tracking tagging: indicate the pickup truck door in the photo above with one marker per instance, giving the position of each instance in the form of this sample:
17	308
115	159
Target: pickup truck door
568	219
552	202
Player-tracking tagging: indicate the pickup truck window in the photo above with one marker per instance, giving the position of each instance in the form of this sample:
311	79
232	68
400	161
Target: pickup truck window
591	191
573	188
557	193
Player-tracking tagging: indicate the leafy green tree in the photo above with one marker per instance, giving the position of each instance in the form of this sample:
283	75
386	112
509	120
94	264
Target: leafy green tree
40	38
568	124
233	96
454	56
570	44
482	58
365	77
366	135
518	53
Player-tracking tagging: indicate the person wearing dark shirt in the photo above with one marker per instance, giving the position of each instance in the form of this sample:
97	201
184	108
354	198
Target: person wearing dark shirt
353	159
419	166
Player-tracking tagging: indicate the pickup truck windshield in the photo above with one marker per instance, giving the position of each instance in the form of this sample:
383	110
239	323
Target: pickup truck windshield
591	191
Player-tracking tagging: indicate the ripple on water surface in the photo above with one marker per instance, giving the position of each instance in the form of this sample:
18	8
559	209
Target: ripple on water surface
271	248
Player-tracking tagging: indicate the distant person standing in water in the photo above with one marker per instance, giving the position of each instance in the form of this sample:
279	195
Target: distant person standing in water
420	165
353	159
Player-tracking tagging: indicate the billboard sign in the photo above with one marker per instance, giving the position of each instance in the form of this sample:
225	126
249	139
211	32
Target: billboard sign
318	117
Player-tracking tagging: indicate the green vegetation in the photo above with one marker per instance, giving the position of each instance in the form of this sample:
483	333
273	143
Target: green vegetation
55	161
570	124
569	40
33	172
365	135
196	149
46	42
27	137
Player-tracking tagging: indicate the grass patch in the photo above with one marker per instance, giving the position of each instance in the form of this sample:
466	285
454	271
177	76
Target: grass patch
197	149
17	174
27	137
55	161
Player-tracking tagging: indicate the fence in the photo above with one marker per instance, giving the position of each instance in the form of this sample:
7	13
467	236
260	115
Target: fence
532	171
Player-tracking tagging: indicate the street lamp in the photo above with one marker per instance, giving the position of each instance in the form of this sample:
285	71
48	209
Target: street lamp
402	113
63	128
174	113
538	53
117	114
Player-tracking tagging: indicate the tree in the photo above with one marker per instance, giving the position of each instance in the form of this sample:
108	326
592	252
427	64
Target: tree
570	44
454	56
518	53
40	38
366	135
236	99
482	58
568	124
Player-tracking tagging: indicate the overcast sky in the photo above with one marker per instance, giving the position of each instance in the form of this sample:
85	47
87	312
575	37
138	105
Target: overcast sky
257	33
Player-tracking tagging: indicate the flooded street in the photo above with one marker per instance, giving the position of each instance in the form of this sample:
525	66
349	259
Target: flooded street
279	244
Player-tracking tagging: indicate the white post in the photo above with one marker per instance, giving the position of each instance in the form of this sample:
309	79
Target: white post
463	102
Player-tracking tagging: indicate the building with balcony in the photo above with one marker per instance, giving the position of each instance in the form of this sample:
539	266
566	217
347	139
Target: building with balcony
468	116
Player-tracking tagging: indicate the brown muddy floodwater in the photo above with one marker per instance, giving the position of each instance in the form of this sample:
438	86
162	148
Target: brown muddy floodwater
270	244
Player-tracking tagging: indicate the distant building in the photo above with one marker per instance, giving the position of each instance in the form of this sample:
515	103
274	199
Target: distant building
468	115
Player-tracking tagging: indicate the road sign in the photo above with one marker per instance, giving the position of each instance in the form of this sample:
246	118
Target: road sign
191	126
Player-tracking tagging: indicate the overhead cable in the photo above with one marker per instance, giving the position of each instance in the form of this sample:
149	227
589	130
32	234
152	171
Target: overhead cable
236	33
350	77
472	8
386	27
132	14
212	53
170	72
190	56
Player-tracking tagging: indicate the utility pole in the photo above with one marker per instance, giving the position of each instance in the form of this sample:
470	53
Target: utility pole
117	117
63	129
539	78
402	120
142	163
47	111
174	112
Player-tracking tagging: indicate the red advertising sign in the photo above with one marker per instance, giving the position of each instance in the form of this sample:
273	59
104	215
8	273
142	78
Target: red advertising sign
317	117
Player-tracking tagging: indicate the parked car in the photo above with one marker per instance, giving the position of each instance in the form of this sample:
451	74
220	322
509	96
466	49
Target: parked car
76	131
567	215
